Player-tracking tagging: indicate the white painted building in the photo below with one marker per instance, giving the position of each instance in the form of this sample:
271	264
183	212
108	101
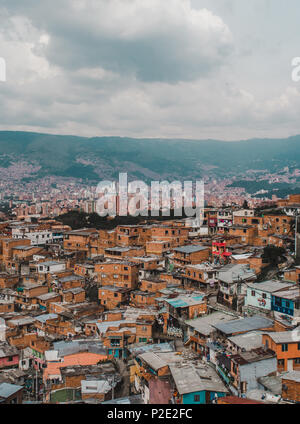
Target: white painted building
37	237
244	212
51	266
2	330
225	218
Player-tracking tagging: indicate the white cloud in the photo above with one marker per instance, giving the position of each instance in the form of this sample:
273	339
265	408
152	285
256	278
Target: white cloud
150	68
152	39
21	44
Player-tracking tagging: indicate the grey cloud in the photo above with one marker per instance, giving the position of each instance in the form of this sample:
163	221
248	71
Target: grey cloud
155	41
164	72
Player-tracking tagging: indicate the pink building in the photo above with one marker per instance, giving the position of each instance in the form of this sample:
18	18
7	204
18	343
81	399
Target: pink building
9	356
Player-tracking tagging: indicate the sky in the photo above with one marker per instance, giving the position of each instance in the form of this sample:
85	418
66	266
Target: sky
197	69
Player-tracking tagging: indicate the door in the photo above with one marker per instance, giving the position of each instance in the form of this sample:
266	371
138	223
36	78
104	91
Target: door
290	364
207	397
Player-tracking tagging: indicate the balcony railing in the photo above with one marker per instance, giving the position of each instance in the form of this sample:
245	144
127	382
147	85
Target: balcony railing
224	374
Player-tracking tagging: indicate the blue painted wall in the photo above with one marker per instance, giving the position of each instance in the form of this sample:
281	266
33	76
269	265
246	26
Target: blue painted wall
285	306
188	399
115	352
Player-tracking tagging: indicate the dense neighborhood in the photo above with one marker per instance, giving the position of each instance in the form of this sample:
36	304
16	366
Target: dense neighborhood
162	312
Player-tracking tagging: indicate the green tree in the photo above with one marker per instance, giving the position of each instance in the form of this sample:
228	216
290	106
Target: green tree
273	254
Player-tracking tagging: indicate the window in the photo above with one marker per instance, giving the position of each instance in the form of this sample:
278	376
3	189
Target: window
91	387
196	398
10	358
277	301
264	296
284	347
298	346
253	293
280	362
297	361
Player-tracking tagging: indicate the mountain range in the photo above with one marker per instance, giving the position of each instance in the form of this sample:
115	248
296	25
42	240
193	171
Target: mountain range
147	159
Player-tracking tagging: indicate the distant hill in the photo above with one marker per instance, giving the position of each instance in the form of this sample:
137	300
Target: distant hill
147	159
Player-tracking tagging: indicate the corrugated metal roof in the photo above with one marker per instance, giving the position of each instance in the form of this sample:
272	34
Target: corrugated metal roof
44	318
190	249
270	286
153	360
7	389
204	325
292	375
244	324
50	263
191	379
184	301
285	336
248	341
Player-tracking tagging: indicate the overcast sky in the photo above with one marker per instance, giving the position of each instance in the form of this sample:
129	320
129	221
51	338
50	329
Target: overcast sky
151	68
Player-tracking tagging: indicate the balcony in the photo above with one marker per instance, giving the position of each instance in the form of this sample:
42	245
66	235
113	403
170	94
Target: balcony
226	376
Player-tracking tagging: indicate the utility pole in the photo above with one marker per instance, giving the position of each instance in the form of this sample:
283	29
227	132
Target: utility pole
296	218
113	388
36	384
